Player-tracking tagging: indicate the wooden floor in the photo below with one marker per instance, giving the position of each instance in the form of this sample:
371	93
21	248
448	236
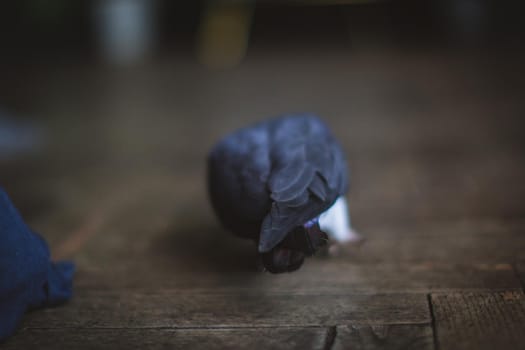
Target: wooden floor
436	146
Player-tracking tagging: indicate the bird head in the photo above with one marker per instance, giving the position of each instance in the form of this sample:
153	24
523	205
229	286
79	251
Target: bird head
289	254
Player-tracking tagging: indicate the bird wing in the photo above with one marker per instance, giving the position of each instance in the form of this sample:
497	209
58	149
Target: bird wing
309	176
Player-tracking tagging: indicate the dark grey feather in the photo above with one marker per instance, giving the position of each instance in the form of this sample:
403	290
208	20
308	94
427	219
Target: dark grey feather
318	187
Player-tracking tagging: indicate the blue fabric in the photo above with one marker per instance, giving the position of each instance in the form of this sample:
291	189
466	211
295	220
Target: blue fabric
28	278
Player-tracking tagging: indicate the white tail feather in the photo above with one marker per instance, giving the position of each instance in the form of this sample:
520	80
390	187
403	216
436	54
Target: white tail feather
336	222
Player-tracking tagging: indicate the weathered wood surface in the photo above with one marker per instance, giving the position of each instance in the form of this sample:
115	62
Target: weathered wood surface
488	320
436	148
319	275
187	309
247	338
372	337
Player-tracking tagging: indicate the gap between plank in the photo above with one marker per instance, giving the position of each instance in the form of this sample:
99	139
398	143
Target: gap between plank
433	322
331	334
518	275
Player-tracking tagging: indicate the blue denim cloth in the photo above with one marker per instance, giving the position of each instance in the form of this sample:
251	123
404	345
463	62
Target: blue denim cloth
28	278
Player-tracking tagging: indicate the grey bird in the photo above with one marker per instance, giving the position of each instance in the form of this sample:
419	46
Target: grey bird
282	183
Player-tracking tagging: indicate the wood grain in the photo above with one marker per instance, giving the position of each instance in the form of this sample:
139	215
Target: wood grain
371	337
321	275
183	309
479	320
444	241
248	338
435	144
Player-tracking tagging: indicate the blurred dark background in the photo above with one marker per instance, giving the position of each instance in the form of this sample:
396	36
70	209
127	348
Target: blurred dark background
39	39
45	28
144	83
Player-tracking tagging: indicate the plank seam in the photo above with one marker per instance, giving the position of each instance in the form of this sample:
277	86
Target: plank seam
518	276
433	322
331	334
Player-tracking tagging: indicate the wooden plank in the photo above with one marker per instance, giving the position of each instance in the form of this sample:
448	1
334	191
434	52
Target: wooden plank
187	228
155	217
134	309
395	187
479	320
403	221
354	337
159	250
172	236
316	276
371	337
246	338
453	184
423	192
445	241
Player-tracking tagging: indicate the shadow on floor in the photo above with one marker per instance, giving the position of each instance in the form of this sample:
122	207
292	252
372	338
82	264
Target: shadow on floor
202	247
